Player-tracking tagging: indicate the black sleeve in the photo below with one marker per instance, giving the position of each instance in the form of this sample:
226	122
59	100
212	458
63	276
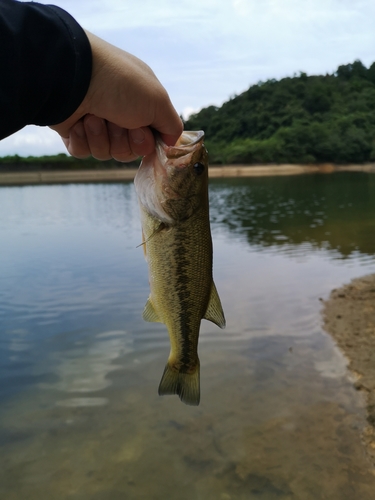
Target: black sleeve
45	65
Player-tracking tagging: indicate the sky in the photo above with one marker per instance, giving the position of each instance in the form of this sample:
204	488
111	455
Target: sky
206	51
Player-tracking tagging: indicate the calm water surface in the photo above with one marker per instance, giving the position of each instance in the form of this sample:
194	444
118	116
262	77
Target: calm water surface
80	417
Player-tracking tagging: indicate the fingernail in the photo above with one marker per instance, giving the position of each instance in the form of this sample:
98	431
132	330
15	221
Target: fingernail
95	125
137	135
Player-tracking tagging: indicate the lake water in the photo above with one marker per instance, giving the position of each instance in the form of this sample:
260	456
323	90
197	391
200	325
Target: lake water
80	418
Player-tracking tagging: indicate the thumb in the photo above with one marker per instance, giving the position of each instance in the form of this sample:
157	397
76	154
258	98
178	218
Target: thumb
168	124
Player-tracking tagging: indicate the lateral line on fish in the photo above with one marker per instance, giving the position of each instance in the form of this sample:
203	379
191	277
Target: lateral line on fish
184	295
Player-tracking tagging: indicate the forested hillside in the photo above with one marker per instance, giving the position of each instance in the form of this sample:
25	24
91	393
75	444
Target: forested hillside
304	119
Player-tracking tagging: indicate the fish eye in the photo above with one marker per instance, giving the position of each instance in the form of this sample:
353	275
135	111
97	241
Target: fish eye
198	168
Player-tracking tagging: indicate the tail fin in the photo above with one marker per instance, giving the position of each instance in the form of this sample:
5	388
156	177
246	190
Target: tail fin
186	385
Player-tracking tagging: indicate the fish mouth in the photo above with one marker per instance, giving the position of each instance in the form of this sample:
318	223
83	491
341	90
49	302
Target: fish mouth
187	143
189	138
152	182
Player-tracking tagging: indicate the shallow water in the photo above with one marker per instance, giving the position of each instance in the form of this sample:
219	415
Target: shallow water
279	418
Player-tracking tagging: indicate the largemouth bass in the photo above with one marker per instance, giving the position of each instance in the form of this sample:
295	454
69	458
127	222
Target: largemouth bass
172	189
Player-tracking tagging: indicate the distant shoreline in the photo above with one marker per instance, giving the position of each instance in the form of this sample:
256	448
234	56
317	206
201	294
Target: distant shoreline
128	174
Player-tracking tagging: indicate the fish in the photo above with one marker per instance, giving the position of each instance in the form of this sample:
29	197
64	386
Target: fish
172	189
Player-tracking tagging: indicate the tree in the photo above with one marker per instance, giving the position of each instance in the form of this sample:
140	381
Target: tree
300	119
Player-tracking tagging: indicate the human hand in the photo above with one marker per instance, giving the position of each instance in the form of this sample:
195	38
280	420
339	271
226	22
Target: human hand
124	102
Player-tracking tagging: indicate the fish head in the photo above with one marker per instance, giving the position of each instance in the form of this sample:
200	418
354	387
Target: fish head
172	182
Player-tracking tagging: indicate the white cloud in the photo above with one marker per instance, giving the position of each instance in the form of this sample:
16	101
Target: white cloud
188	111
32	141
204	51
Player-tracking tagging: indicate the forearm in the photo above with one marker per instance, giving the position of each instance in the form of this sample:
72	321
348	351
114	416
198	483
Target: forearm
45	61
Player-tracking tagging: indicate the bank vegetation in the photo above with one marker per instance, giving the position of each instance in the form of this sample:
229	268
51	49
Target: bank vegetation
302	119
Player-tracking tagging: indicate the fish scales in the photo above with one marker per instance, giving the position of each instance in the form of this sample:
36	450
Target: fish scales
181	284
178	249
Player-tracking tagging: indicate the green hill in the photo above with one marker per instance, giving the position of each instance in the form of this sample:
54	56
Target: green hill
304	119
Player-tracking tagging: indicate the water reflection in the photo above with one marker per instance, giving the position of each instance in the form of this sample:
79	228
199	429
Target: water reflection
85	368
318	210
80	417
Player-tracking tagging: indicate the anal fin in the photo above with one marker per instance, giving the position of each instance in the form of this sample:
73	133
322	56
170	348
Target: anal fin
214	311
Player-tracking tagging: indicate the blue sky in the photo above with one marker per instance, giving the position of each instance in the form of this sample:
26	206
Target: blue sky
205	51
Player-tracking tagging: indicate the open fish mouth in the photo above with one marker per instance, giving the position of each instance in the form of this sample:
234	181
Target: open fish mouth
190	138
187	143
163	175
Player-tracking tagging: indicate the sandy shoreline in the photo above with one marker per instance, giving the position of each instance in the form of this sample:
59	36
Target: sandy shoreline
119	175
349	316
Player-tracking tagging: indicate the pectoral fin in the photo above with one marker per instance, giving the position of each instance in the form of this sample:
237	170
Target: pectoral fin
149	313
214	311
144	246
144	240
